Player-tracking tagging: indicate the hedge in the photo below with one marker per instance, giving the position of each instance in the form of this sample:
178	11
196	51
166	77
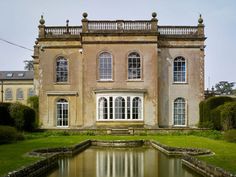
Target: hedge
228	115
215	113
15	114
9	134
5	117
33	102
23	116
209	104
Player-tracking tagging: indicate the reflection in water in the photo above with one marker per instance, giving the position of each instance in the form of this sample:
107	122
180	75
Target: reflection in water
121	162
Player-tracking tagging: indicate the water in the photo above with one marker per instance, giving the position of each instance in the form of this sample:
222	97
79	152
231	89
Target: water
121	162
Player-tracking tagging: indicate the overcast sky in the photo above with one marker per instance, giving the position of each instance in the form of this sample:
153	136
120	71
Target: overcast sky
19	24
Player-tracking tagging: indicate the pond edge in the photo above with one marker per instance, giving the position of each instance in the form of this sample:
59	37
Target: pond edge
51	156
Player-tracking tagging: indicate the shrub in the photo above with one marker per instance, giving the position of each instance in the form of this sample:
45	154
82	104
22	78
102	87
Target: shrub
9	134
23	116
206	111
5	118
33	102
216	118
228	115
206	124
230	135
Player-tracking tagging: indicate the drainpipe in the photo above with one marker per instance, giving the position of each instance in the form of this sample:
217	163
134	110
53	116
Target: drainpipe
2	90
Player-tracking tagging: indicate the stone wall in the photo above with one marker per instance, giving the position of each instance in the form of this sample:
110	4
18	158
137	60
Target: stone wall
51	156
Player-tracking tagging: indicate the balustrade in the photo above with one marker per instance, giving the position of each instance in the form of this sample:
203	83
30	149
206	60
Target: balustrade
103	26
178	30
119	25
58	31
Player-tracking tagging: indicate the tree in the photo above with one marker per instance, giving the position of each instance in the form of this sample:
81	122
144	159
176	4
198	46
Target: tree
29	65
224	87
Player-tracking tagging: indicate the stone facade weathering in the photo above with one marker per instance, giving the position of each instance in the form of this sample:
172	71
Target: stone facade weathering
119	73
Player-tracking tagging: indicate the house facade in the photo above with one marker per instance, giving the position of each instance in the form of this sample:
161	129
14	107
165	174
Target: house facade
16	86
119	74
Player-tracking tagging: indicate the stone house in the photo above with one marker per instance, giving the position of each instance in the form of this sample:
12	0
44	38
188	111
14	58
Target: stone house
16	86
119	73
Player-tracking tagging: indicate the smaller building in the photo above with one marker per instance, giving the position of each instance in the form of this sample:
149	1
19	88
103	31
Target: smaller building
16	86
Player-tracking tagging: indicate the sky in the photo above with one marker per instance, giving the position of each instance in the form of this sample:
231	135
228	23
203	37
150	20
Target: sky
20	19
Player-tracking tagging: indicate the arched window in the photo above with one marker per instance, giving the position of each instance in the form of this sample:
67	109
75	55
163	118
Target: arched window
8	94
179	111
119	108
31	92
105	66
61	69
19	94
62	113
102	108
137	108
134	66
179	69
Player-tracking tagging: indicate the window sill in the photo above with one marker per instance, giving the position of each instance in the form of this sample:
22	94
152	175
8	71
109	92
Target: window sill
61	83
105	80
62	126
180	83
134	80
179	126
120	120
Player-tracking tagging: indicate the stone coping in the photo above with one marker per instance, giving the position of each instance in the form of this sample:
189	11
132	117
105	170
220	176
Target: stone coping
51	156
188	159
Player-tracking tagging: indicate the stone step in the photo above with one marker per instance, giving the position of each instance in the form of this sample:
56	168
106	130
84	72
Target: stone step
120	132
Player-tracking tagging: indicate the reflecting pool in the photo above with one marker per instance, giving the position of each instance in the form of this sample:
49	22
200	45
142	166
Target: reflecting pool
121	162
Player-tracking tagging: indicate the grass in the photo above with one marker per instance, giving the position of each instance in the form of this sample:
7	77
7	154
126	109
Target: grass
14	156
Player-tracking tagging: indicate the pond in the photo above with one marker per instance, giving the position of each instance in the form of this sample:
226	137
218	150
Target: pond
121	162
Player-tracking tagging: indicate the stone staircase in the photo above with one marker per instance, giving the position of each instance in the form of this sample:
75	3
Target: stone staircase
119	131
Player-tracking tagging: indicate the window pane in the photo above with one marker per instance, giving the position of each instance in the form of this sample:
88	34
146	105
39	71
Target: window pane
31	92
134	66
8	94
102	108
179	69
105	66
179	111
61	70
19	94
62	112
136	108
119	108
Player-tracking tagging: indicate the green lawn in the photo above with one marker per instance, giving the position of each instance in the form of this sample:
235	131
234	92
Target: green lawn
13	156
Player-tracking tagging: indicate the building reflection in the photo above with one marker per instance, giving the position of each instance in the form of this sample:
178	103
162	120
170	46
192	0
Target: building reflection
122	162
119	164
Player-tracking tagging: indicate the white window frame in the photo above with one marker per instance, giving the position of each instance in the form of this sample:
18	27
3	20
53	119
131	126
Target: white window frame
114	96
176	72
62	103
173	113
109	75
128	68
